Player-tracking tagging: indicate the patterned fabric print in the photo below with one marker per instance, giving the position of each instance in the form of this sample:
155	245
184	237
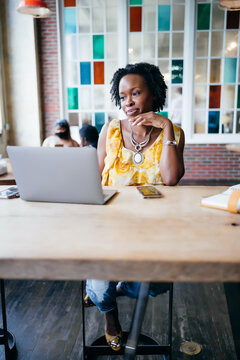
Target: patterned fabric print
119	167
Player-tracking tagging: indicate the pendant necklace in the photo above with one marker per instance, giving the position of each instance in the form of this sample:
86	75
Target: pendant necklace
138	157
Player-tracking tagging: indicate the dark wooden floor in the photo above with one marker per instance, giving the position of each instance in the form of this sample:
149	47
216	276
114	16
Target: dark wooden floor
46	320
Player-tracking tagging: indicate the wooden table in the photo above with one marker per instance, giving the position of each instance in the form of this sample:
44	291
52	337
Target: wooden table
233	147
8	178
168	239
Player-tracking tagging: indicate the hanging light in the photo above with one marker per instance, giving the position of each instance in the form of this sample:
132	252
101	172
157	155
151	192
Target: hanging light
230	5
36	8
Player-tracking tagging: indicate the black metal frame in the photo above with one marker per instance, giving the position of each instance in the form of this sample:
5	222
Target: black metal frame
6	338
150	347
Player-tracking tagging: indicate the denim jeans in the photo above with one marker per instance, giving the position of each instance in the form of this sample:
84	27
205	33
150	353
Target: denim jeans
103	293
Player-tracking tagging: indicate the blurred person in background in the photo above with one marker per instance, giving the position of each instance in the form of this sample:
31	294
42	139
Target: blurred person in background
88	135
61	136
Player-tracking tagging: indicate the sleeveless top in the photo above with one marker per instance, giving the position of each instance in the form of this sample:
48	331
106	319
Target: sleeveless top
119	168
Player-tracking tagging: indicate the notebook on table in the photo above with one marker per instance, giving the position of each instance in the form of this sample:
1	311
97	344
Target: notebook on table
67	174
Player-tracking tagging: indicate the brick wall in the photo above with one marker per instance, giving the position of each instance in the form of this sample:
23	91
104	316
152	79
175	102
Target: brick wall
201	161
48	58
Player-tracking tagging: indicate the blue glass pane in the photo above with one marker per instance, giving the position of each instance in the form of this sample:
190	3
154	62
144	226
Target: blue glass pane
99	120
213	122
70	20
230	69
72	98
177	71
164	12
85	72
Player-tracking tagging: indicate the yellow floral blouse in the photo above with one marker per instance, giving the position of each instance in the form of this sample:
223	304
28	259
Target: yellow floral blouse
119	167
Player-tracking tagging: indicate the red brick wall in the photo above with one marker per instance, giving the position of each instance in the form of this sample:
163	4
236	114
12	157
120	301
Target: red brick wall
201	161
48	58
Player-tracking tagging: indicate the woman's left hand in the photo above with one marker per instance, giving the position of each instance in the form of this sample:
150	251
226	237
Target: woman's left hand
150	119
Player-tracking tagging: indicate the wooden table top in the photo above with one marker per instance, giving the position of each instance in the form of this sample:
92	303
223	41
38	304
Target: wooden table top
233	147
8	179
168	239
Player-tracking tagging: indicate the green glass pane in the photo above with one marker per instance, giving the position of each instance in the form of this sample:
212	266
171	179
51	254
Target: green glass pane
98	46
177	71
238	98
164	12
72	98
203	16
230	69
163	113
135	2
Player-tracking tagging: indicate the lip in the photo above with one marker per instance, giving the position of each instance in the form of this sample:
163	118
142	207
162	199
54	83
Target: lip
132	112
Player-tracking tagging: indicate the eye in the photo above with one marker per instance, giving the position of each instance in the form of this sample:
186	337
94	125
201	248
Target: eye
122	98
135	93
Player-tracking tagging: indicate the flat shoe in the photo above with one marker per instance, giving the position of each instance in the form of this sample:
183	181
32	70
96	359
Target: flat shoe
88	302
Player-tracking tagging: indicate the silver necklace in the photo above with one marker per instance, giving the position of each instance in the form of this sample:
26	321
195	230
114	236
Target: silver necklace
138	157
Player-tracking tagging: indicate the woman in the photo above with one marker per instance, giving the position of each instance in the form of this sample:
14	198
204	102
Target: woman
61	136
144	148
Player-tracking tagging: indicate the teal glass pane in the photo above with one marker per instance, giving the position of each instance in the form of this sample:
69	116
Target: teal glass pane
85	72
230	70
163	113
238	98
99	121
203	16
135	2
70	21
98	46
213	122
177	71
72	98
164	12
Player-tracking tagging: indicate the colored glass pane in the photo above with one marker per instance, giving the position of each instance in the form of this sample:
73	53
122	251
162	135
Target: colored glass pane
135	18
233	20
98	72
203	16
214	96
85	72
199	122
135	2
227	122
72	98
70	20
177	71
215	73
98	46
231	43
164	12
238	123
228	96
99	121
73	119
69	3
238	98
163	113
230	67
213	122
83	20
202	43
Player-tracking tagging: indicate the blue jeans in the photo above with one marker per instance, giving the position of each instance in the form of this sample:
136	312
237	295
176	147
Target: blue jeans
103	293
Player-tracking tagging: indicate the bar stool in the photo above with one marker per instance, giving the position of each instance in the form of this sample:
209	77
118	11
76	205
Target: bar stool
148	346
6	338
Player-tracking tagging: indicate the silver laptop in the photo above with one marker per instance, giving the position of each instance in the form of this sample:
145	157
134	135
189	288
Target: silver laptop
61	174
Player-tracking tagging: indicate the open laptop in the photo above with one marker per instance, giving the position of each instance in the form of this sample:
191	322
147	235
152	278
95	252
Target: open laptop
61	174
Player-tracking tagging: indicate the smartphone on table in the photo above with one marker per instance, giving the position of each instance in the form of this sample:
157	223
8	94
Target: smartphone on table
149	192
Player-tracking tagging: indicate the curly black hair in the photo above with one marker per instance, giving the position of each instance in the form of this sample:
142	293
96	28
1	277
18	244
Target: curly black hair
153	78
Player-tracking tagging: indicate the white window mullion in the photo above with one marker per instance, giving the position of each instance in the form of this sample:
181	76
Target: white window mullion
188	73
123	29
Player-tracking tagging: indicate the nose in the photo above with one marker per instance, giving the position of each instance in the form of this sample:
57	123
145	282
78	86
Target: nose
129	101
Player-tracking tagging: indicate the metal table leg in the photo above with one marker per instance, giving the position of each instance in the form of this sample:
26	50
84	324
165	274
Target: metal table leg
6	338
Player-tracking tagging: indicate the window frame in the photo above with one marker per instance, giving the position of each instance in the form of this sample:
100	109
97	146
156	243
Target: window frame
188	75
